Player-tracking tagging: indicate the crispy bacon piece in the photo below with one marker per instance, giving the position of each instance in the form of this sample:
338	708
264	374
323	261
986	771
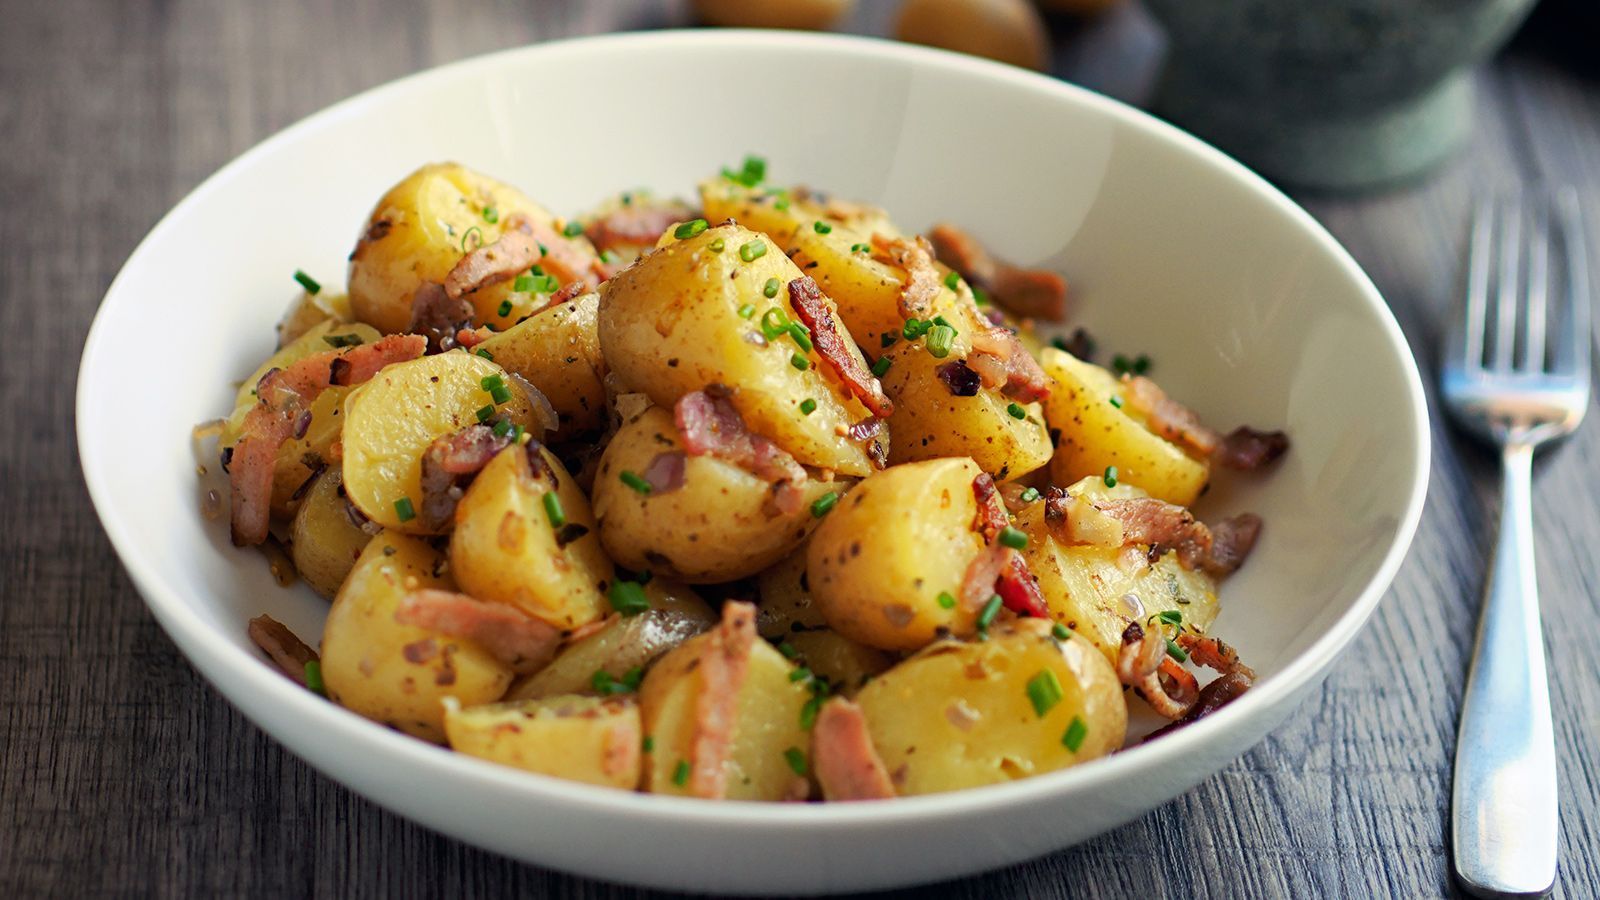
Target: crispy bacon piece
1019	591
439	317
922	279
723	667
978	582
1247	449
1143	663
1034	293
1002	362
1214	696
621	750
1169	418
1169	527
472	337
711	426
1212	653
992	515
637	225
847	764
1011	578
282	646
449	465
509	635
516	251
1231	543
283	397
813	311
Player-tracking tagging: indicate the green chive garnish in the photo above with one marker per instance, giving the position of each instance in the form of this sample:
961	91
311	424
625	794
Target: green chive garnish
860	248
1044	692
689	229
1012	537
516	434
800	335
1171	617
808	713
1060	632
887	339
1116	401
951	280
501	394
796	760
1076	732
314	678
342	340
799	362
1110	477
1016	411
800	674
307	282
474	230
523	285
404	509
747	310
915	328
608	256
572	229
990	610
632	479
648	744
627	597
881	366
490	382
491	215
947	600
485	413
485	354
821	227
770	289
717	245
788	650
502	428
505	308
680	775
753	251
808	406
940	339
1176	652
774	323
1030	495
821	505
553	510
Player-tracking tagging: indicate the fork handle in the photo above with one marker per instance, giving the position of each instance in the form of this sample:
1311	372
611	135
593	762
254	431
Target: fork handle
1504	795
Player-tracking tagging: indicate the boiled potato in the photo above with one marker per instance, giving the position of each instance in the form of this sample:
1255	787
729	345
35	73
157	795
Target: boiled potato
423	226
507	548
930	422
393	673
323	542
1098	591
716	527
785	599
670	324
586	739
963	715
1097	433
901	538
558	351
314	339
841	662
310	310
395	416
623	643
766	726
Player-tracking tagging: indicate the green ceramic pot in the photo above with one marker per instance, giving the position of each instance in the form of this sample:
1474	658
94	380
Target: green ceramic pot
1331	94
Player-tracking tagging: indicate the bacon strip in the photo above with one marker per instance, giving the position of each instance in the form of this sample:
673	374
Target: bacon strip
283	647
1034	293
1169	418
922	279
1247	449
283	396
636	226
1214	696
1011	579
992	517
448	466
1018	589
439	317
847	764
514	252
1169	527
723	667
998	351
813	311
509	635
711	426
979	581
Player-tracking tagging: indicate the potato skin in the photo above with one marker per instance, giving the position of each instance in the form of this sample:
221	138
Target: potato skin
395	416
587	739
504	548
323	542
767	722
891	546
670	325
418	232
399	674
784	594
714	528
675	615
1084	585
844	664
1096	434
558	351
915	710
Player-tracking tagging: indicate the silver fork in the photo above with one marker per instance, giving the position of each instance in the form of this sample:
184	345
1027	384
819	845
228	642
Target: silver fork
1517	383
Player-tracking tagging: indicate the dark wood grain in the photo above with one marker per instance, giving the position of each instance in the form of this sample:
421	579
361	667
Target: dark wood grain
122	772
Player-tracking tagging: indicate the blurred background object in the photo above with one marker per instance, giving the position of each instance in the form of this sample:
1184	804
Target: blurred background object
1006	30
810	14
1336	94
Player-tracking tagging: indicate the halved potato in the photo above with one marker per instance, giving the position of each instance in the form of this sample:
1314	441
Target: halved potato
844	664
558	351
784	595
962	715
323	542
587	739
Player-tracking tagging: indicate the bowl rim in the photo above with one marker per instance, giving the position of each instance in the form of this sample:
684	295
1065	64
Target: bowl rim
213	653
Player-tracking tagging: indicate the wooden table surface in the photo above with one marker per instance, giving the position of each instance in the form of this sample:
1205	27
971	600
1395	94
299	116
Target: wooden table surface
122	772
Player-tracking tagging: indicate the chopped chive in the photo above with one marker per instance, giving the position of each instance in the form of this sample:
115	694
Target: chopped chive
632	678
940	339
774	323
980	297
404	510
502	428
1110	477
821	227
307	282
952	280
516	434
800	335
553	510
753	251
881	366
608	256
1176	652
770	289
485	413
571	229
781	203
543	250
947	600
474	230
491	215
1015	411
747	310
342	340
1171	617
689	229
799	362
680	774
505	308
1030	495
755	168
1013	537
501	394
796	760
1076	732
808	406
627	597
536	270
915	328
601	682
632	479
887	339
717	245
788	650
808	713
821	505
800	674
648	745
860	248
1141	364
523	285
1116	401
1060	632
1044	692
490	382
941	320
485	354
314	678
990	610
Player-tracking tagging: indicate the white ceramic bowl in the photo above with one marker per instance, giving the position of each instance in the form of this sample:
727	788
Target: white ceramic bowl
1251	311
